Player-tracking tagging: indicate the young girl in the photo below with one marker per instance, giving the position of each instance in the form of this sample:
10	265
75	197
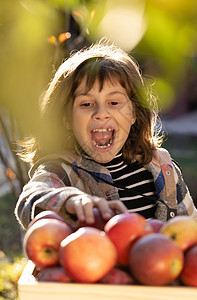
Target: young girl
99	145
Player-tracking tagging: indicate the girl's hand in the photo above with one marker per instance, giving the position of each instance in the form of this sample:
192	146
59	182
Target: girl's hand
82	206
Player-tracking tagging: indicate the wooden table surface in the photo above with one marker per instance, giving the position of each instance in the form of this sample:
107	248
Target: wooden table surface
30	289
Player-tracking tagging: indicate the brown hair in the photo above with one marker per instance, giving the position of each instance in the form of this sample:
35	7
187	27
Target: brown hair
103	62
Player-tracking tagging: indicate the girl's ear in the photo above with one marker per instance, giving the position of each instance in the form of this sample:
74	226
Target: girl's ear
133	119
132	112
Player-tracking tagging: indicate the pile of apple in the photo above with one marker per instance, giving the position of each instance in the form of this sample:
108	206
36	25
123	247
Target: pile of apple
127	249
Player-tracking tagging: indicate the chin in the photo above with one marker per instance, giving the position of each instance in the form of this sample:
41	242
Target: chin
103	157
100	155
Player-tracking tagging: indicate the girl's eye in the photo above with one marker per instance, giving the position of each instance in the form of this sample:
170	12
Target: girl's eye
86	104
113	103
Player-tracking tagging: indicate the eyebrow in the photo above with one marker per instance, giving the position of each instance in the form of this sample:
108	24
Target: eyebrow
117	92
81	94
110	94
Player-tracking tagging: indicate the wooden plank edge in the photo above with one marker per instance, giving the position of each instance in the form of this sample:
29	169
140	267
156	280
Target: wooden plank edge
28	284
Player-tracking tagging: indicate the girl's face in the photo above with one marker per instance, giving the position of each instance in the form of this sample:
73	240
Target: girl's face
101	119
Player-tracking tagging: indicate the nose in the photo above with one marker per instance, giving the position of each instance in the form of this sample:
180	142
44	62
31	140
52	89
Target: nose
101	113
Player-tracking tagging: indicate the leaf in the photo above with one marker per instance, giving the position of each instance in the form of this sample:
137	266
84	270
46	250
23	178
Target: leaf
52	40
77	14
92	14
63	37
10	174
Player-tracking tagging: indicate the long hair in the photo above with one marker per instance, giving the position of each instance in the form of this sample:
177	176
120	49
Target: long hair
103	62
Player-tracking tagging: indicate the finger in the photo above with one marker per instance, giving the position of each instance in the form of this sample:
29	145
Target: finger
74	206
118	205
78	207
88	205
103	205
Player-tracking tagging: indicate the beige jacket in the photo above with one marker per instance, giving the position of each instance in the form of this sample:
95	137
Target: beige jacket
54	178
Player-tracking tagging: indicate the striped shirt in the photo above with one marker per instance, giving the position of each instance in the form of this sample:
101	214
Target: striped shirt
135	186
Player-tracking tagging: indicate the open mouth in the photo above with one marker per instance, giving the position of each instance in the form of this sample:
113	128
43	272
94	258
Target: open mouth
102	138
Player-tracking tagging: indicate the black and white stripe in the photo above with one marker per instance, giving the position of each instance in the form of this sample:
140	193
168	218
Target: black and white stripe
135	186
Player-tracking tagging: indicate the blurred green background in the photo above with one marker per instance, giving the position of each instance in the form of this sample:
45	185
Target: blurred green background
37	35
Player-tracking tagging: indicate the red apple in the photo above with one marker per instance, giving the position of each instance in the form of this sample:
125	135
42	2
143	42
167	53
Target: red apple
183	229
123	230
117	276
189	272
42	241
99	222
87	254
156	224
54	273
47	214
156	259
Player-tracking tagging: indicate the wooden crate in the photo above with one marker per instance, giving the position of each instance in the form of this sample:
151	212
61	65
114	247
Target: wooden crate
30	289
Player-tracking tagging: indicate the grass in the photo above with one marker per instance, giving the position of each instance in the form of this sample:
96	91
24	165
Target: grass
12	259
10	232
10	271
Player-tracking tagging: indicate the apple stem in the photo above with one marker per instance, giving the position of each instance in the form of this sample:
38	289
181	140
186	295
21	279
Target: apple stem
173	236
48	250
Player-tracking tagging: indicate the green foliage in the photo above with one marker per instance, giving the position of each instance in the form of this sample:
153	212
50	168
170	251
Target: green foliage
169	42
10	232
65	4
10	272
166	93
12	260
25	56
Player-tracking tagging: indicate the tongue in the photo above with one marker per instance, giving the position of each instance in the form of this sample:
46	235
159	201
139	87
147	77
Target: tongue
102	138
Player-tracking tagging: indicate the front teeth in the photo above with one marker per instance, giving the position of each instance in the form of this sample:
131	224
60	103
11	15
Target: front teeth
103	146
102	129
